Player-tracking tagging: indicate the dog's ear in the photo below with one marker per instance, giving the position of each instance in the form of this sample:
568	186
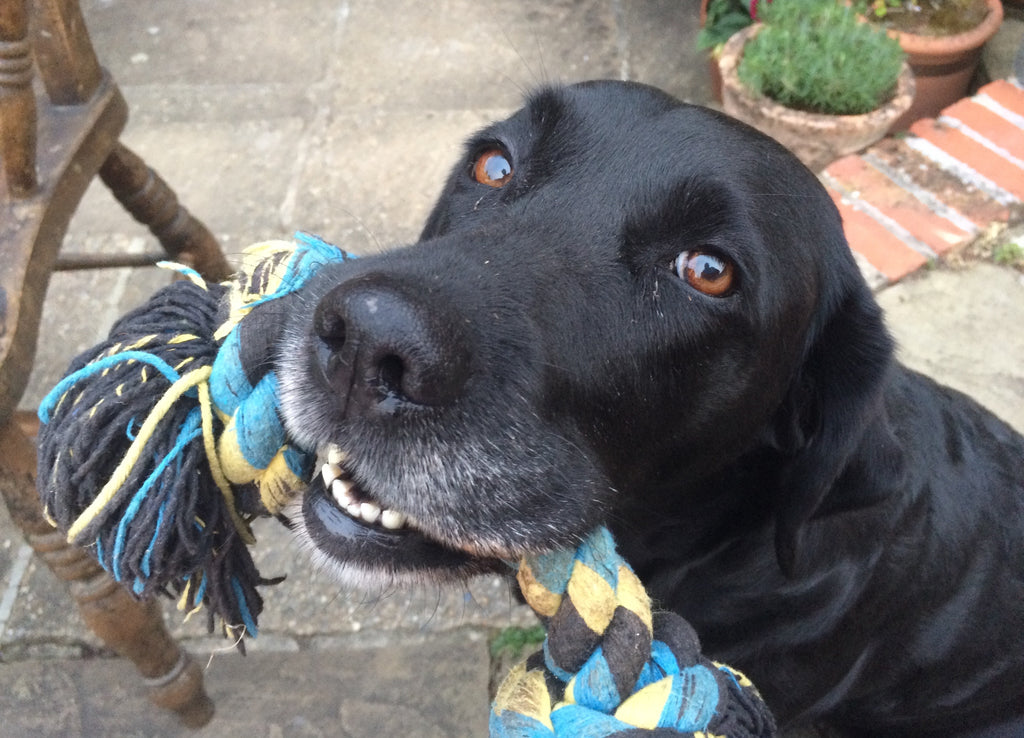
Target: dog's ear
835	398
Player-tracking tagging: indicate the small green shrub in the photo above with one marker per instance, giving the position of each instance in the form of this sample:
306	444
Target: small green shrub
817	56
1008	254
724	18
513	640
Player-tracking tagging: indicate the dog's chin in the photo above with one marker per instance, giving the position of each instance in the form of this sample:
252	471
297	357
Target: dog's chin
370	556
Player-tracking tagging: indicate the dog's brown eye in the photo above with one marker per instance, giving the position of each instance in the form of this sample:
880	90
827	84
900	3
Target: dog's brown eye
492	168
705	272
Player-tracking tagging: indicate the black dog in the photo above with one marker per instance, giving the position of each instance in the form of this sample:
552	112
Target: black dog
631	310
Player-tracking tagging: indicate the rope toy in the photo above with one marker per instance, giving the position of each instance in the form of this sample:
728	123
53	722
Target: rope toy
162	443
610	667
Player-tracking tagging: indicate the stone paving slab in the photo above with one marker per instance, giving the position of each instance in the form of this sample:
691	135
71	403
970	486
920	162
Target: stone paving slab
430	688
307	605
963	327
417	148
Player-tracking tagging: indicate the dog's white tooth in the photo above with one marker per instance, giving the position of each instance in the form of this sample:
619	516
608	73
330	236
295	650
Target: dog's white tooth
330	472
335	455
391	519
354	509
341	490
369	512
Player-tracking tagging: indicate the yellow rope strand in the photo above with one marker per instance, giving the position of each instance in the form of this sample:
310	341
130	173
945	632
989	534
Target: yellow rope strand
210	442
120	474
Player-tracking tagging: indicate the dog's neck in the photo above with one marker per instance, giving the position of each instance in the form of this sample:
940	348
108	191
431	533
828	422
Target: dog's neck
696	516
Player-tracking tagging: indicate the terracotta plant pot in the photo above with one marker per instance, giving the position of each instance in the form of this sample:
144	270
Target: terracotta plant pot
815	138
713	72
944	65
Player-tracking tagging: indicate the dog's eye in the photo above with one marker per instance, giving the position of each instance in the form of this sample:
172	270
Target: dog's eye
492	168
705	272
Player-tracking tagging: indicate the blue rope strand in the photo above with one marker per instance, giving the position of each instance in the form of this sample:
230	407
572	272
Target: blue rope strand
145	565
99	554
201	592
53	396
250	624
190	431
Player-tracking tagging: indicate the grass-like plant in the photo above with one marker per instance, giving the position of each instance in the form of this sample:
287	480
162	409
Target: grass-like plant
819	57
1009	254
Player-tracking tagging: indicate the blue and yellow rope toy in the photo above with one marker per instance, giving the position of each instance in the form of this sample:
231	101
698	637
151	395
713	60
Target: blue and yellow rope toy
164	442
610	667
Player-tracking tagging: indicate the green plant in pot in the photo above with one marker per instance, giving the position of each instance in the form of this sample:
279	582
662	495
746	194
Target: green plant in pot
816	56
814	76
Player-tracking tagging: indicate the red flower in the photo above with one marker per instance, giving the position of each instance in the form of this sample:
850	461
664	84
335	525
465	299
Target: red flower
753	8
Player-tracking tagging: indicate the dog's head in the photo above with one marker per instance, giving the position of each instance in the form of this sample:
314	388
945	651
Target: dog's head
616	295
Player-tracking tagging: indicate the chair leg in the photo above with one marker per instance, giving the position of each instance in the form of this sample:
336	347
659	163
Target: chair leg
17	103
153	203
133	628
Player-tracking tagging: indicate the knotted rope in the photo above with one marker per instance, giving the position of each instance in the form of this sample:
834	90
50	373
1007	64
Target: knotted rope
164	441
611	667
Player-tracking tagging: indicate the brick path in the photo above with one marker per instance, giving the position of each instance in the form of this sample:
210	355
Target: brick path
913	199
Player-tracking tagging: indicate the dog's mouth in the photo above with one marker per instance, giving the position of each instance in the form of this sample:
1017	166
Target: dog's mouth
370	545
353	500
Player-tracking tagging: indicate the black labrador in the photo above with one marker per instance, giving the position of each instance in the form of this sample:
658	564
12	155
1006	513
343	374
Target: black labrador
629	310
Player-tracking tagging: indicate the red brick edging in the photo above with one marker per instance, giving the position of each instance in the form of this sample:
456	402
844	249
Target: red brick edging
908	200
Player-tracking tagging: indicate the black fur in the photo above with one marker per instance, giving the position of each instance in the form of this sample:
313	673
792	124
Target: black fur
842	529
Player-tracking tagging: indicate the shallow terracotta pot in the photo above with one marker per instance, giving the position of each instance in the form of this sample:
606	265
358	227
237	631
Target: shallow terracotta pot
944	65
715	77
816	139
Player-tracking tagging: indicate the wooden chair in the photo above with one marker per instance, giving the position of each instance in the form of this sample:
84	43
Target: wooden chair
54	138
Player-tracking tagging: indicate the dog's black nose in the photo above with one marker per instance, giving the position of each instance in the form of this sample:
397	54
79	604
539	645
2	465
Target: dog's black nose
385	345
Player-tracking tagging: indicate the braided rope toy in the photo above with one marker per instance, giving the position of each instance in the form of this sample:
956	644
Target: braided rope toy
162	444
610	667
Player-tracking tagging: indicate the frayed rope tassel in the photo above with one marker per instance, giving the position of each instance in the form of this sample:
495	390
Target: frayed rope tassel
609	667
162	443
